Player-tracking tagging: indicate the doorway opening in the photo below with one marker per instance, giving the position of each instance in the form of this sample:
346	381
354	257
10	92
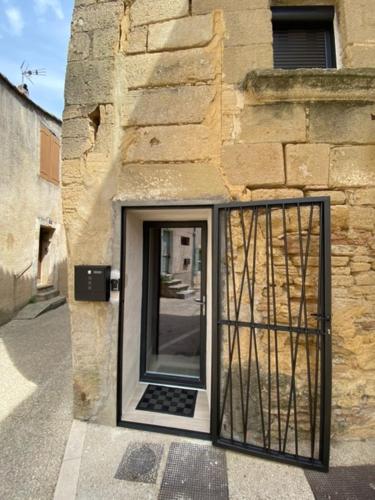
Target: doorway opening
167	310
45	237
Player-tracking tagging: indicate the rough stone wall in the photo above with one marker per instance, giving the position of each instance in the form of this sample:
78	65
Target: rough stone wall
177	100
26	202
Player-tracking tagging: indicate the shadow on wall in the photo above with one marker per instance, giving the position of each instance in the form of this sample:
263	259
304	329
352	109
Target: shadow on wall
17	290
117	172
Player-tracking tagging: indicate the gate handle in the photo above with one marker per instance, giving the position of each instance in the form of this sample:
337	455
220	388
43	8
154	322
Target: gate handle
321	316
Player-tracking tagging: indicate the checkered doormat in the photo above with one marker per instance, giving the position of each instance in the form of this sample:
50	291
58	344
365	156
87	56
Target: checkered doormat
174	401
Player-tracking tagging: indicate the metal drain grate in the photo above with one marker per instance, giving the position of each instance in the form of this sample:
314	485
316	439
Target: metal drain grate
140	463
194	472
343	483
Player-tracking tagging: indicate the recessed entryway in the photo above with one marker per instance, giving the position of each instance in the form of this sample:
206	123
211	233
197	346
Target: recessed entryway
167	303
44	264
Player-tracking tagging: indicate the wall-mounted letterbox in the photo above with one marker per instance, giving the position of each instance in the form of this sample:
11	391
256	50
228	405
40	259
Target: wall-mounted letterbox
92	283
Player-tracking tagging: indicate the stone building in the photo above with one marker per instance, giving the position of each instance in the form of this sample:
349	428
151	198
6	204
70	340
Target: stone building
173	108
32	236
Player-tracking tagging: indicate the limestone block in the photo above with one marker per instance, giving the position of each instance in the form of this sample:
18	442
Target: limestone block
137	40
359	56
97	16
74	111
254	165
79	47
171	182
342	281
359	18
178	105
343	250
339	261
170	68
359	267
337	197
151	11
276	194
89	82
246	27
367	278
342	122
104	42
195	31
204	6
364	196
238	61
339	218
307	164
75	147
173	143
352	166
281	122
362	218
76	127
71	172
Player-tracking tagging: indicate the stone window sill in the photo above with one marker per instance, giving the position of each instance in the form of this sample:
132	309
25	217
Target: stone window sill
311	85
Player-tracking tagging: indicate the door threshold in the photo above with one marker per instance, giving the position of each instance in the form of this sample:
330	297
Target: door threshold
165	430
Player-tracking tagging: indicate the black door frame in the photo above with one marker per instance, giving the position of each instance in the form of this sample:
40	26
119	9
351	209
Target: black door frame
146	376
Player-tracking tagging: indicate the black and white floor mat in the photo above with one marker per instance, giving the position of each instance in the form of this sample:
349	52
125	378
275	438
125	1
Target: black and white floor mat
171	400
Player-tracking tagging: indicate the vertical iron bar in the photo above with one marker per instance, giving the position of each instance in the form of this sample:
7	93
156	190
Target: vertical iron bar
247	246
304	263
268	328
216	330
307	347
318	326
275	331
237	307
229	378
290	321
326	357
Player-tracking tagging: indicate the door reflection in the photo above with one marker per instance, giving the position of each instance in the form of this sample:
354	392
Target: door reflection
176	288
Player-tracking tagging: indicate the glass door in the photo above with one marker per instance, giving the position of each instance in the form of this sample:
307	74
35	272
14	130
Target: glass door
174	303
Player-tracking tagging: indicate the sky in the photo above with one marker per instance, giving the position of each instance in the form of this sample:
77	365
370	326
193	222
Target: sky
37	32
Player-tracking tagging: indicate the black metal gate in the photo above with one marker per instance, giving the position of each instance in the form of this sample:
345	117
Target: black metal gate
272	355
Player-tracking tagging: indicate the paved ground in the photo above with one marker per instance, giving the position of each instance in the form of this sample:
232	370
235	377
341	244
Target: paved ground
97	466
35	404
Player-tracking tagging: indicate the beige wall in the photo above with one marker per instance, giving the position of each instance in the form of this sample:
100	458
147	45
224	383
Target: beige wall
26	202
176	101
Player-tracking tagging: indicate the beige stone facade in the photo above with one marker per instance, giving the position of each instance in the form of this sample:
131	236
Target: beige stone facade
28	202
177	102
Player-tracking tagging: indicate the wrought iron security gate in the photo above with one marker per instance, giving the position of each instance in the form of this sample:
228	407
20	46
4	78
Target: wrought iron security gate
272	355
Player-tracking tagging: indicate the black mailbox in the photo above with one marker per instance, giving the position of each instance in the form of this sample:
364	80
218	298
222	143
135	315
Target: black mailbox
92	283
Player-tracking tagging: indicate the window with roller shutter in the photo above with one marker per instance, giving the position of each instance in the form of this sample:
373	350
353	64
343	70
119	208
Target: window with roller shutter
303	37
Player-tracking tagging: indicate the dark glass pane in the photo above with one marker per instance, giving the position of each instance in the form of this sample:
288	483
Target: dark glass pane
174	316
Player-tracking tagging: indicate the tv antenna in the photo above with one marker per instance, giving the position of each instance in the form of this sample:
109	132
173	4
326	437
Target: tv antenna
28	74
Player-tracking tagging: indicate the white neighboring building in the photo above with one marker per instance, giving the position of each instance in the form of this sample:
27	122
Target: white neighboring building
32	238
